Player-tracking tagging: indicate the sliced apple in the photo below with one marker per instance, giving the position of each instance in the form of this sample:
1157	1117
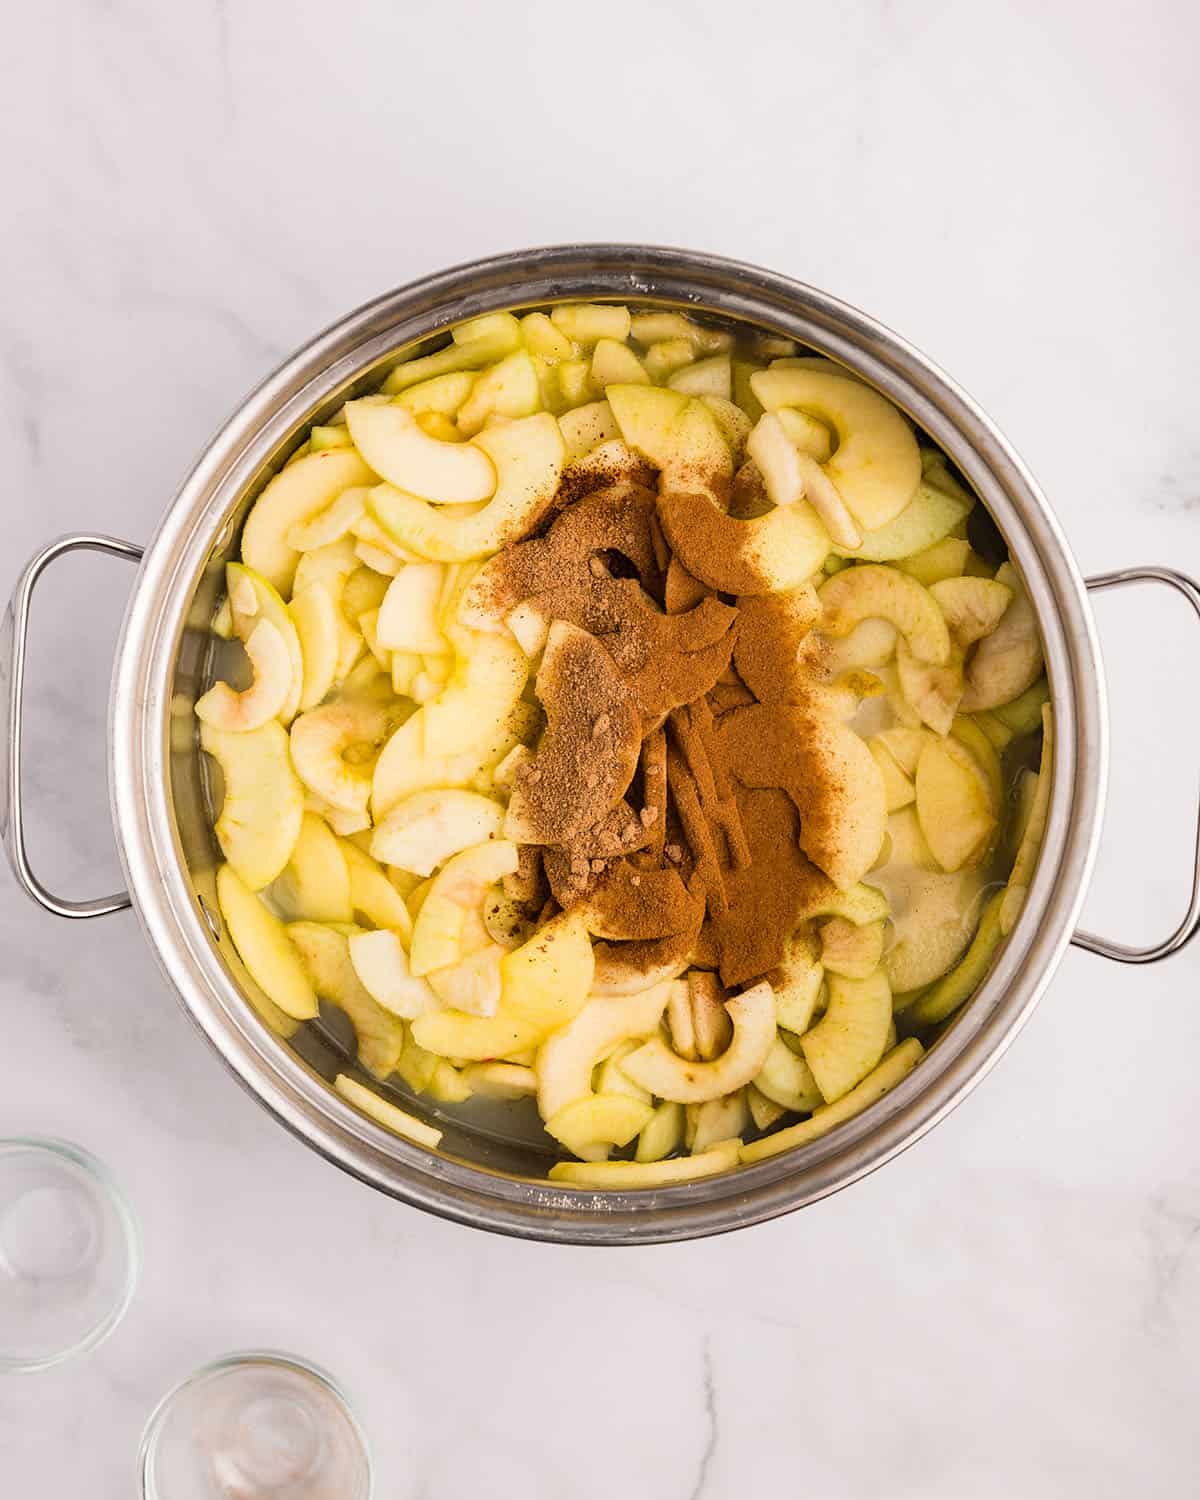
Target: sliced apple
928	517
372	894
399	449
262	944
787	1080
778	460
567	1057
973	607
622	1176
492	341
598	1122
472	984
677	433
408	615
547	979
809	435
501	1080
404	767
509	388
905	744
611	1078
871	591
735	426
296	494
399	1121
764	1112
779	550
669	1076
616	364
705	377
665	356
266	696
898	789
797	984
716	1120
318	629
528	455
932	691
893	1070
586	427
907	845
654	327
325	954
851	950
315	884
473	1038
252	600
424	830
1009	660
450	926
876	466
443	394
264	802
849	1039
662	1133
586	322
957	987
330	524
319	741
488	679
940	560
955	804
381	964
1034	832
933	915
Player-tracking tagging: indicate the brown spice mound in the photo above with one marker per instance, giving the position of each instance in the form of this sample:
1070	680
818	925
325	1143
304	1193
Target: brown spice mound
637	904
589	750
771	630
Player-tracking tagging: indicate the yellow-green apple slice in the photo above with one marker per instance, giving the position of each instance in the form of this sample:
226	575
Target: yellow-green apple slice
1035	830
872	591
315	883
263	946
372	894
893	1070
586	322
662	1133
473	1038
933	692
381	964
809	435
443	394
568	1056
251	601
777	551
540	337
508	389
528	455
676	432
732	422
586	427
1009	660
408	615
705	377
264	801
955	988
764	1112
851	950
472	984
929	517
399	1121
669	1076
267	694
403	766
611	1078
489	676
898	789
320	740
849	1039
449	925
656	327
778	460
597	1122
318	629
955	804
787	1080
424	830
622	1176
934	917
616	364
325	953
398	448
296	494
330	524
937	562
797	983
547	979
973	607
501	1080
488	342
876	466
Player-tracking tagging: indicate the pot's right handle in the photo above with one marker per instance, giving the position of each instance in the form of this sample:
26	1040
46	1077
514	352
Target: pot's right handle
13	638
1188	928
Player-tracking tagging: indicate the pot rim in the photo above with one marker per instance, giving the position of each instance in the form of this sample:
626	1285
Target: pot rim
198	522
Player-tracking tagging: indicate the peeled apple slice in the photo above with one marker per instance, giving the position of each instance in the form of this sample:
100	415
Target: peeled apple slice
778	460
669	1076
955	988
871	591
471	985
718	1120
262	944
546	980
1009	660
315	616
473	1038
450	923
676	432
929	516
954	804
876	465
319	741
932	692
893	1070
1035	830
401	452
252	600
396	1120
332	523
662	1133
852	951
265	698
296	494
973	607
620	1176
424	830
264	801
315	885
381	964
787	1080
403	766
566	1059
528	455
408	615
500	1080
325	954
602	1120
489	676
508	389
848	1040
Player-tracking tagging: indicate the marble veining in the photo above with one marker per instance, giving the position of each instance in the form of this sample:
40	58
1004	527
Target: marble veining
1013	1306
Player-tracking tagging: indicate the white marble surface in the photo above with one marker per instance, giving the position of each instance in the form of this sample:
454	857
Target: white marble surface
1012	1308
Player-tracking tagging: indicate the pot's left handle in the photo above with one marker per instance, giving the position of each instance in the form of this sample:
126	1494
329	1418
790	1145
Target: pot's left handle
13	638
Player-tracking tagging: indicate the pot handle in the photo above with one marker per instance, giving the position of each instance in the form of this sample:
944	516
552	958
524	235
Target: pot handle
1190	924
13	640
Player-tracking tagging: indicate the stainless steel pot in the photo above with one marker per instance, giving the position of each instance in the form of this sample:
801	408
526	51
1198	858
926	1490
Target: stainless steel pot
481	1177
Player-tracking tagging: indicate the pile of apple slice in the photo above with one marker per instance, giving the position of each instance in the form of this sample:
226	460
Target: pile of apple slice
368	736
